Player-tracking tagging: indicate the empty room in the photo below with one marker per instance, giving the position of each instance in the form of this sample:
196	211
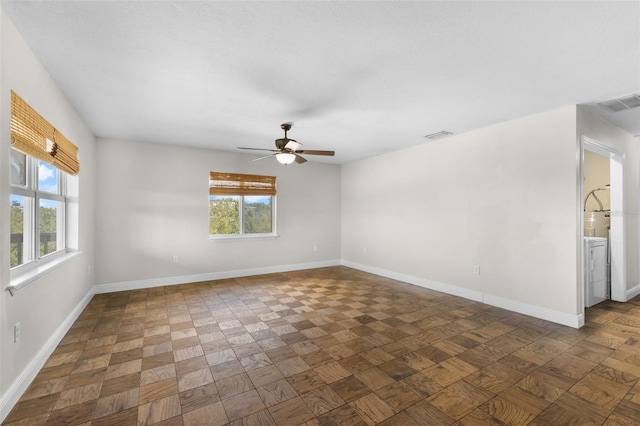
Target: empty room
319	213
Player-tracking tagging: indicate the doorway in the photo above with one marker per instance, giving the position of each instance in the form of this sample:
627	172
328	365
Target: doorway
617	218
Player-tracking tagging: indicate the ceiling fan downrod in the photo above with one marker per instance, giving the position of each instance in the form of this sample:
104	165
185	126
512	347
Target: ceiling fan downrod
286	127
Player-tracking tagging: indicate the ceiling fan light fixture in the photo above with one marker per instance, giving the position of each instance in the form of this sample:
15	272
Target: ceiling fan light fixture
285	158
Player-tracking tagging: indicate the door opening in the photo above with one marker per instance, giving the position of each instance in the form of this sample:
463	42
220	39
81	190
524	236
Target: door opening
616	235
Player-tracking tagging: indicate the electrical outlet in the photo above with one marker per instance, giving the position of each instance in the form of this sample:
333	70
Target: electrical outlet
175	258
364	250
476	269
17	332
315	248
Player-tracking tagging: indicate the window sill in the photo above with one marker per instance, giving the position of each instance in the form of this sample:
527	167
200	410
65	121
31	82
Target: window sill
24	279
242	237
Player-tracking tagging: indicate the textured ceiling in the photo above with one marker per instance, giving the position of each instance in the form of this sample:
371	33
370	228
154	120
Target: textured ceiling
362	78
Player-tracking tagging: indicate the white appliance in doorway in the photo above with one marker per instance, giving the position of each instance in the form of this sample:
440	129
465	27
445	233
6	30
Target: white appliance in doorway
596	273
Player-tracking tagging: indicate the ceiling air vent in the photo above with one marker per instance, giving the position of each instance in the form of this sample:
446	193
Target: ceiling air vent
621	104
438	135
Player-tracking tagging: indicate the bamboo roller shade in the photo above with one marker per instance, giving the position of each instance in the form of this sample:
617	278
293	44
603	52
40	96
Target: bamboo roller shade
30	132
240	184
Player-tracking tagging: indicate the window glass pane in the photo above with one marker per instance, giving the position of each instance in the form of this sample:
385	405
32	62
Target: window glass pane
18	168
48	226
256	212
20	248
224	215
47	177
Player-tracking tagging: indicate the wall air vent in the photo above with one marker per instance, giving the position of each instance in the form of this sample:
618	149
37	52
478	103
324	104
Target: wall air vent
622	103
438	135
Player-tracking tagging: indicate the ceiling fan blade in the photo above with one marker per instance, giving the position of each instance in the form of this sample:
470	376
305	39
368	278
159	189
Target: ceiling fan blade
316	152
293	145
300	159
262	158
258	149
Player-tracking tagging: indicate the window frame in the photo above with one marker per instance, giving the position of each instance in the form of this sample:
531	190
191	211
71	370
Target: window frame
241	185
242	234
31	191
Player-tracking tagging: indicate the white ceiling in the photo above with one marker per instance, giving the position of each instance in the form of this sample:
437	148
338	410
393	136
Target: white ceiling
362	78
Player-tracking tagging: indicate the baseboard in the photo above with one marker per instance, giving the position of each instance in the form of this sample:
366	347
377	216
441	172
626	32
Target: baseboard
20	385
421	282
632	292
575	321
209	276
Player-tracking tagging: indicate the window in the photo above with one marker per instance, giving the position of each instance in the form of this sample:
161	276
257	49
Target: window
241	205
38	200
41	159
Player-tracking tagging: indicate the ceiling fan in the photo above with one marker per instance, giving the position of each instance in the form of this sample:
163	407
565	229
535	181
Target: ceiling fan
288	150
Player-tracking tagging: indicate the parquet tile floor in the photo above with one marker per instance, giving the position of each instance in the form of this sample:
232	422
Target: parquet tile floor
332	346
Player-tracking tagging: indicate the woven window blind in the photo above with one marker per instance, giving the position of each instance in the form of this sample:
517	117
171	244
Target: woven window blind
35	136
240	184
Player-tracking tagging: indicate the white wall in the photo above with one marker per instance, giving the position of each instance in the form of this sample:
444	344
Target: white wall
153	204
43	307
606	133
502	197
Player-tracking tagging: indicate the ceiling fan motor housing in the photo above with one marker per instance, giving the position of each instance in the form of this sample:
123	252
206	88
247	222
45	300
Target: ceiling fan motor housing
281	143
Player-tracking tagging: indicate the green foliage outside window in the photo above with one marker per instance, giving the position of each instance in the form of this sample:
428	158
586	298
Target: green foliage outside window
257	217
48	229
224	215
48	226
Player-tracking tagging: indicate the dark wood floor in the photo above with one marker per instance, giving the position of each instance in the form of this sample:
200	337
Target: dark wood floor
332	346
